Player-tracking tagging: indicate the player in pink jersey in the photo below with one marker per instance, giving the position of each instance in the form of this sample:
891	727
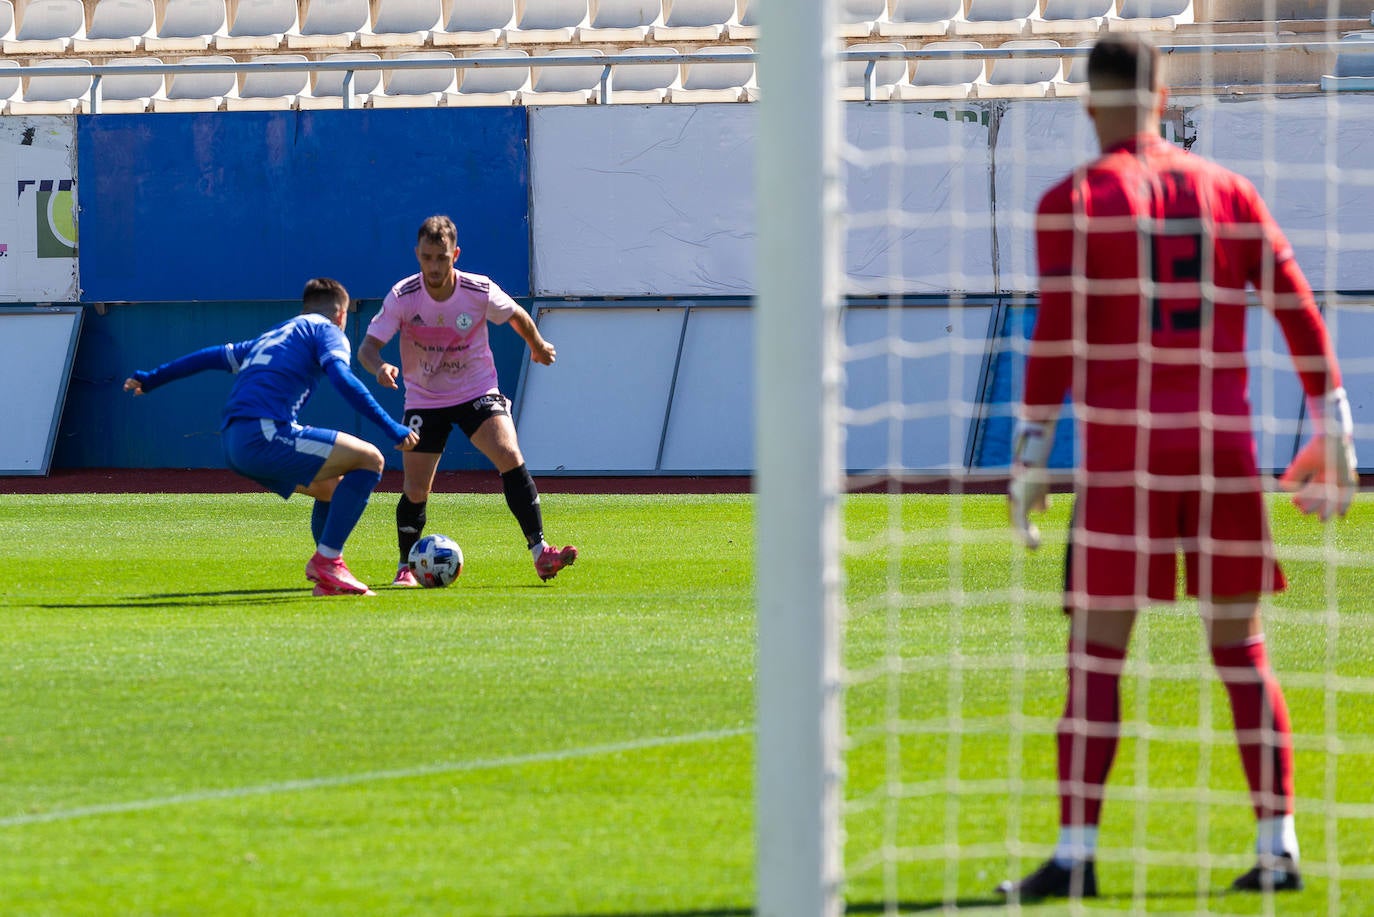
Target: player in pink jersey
450	380
1145	256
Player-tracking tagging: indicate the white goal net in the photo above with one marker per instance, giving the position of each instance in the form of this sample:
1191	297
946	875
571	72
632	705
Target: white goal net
912	654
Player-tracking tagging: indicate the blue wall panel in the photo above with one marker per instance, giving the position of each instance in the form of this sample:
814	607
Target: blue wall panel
236	206
177	426
1003	394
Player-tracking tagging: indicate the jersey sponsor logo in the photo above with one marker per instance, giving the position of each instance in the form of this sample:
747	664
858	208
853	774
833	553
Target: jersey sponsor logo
453	367
416	319
464	321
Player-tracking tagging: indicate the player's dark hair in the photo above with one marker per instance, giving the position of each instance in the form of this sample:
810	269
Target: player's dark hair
324	295
438	229
1124	60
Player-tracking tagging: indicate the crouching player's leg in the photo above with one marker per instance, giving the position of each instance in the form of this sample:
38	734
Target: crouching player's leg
339	470
343	486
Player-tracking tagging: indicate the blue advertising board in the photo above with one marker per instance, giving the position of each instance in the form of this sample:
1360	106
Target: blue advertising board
246	206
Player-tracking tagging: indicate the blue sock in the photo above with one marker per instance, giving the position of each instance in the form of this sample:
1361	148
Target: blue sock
317	517
350	499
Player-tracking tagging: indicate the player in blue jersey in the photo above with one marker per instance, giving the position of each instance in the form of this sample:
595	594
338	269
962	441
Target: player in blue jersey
276	374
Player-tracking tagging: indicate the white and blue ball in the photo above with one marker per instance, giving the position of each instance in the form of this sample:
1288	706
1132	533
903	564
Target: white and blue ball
436	560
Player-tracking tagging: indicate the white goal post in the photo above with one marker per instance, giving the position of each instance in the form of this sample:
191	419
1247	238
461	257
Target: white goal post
798	784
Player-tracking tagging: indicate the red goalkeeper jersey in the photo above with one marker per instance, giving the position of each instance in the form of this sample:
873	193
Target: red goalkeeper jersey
1145	256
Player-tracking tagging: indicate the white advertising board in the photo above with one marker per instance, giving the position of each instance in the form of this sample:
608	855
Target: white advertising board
659	200
1309	157
37	346
1313	161
38	210
643	200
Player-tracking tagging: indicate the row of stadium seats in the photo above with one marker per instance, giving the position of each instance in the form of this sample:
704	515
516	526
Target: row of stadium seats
959	71
548	84
46	27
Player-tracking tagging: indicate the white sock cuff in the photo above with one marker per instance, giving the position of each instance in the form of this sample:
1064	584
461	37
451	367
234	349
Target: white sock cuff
1076	844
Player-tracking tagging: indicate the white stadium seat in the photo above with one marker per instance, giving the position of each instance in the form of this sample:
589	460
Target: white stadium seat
188	90
53	95
950	78
188	25
621	20
539	22
1072	17
6	21
327	86
1022	77
920	18
476	23
134	92
996	17
271	90
258	25
1075	73
491	85
400	22
117	25
47	27
645	83
1353	71
10	85
1152	15
409	88
565	85
747	29
723	81
886	73
330	25
695	20
859	18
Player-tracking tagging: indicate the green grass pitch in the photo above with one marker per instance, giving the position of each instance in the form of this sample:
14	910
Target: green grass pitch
184	729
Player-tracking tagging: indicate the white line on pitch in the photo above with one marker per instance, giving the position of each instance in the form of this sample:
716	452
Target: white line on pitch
316	783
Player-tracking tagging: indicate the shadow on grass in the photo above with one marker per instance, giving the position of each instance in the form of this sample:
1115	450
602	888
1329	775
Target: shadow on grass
695	912
178	599
997	902
985	902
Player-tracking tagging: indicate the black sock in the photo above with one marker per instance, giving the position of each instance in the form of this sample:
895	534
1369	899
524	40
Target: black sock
410	522
318	514
523	499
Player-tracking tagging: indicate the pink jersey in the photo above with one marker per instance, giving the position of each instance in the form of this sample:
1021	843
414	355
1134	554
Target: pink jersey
445	354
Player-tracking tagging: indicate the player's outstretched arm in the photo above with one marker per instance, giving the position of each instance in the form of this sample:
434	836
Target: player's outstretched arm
1324	475
219	356
1030	484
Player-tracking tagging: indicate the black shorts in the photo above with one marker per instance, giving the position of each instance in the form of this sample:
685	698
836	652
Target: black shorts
435	424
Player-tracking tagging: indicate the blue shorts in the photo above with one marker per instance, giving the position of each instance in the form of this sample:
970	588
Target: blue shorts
279	456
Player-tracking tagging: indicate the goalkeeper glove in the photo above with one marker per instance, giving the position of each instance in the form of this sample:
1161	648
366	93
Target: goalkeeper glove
1323	477
1030	484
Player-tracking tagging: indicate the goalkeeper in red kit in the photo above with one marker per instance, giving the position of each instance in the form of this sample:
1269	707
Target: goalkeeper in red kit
1145	256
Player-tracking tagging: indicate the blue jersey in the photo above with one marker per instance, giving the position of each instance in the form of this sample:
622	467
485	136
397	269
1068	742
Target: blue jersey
277	371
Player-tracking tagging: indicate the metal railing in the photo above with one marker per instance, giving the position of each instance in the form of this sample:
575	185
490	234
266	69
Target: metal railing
608	63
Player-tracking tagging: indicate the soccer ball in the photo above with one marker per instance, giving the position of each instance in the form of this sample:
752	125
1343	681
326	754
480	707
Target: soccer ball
436	560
